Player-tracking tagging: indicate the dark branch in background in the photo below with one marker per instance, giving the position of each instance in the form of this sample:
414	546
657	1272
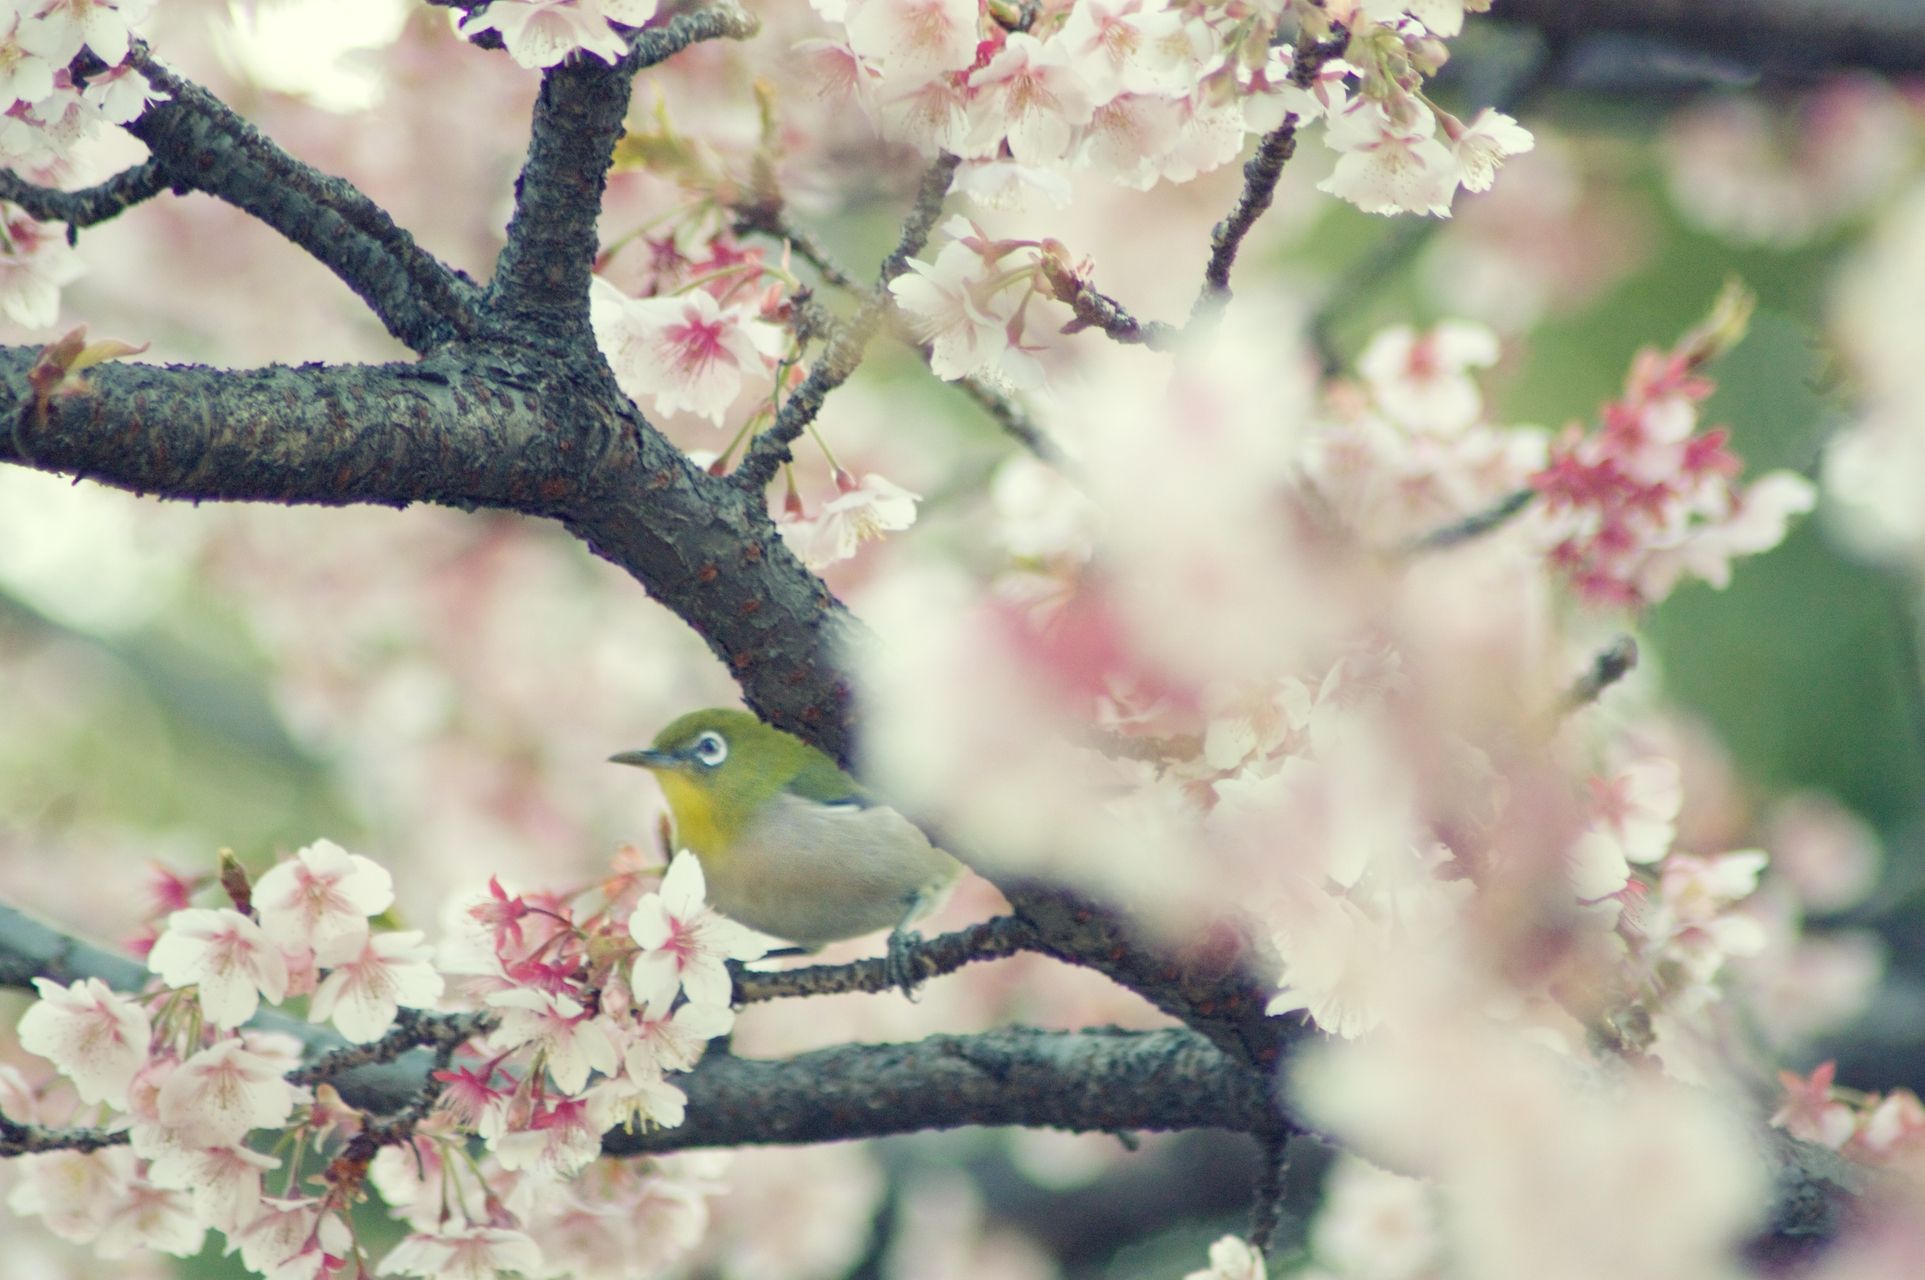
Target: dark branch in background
1260	175
1266	1206
543	272
1097	310
1476	524
90	205
18	1139
1783	36
1085	1081
834	366
201	145
1614	662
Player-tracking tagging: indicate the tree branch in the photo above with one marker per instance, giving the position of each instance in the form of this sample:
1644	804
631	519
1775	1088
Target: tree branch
543	272
1807	36
993	939
514	430
1083	1081
201	145
89	205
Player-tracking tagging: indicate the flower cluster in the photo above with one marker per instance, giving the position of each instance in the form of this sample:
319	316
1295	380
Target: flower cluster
970	305
1634	507
582	1022
1142	91
48	116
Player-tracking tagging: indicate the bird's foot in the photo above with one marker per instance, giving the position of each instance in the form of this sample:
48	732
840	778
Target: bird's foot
903	964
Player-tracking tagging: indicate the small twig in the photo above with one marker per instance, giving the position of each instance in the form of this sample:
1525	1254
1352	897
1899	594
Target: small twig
1474	525
1615	661
769	218
412	1030
1266	1203
991	940
1012	418
89	205
1260	175
848	341
1097	310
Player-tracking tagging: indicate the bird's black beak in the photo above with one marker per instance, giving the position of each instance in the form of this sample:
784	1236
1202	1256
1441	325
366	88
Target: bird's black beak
647	758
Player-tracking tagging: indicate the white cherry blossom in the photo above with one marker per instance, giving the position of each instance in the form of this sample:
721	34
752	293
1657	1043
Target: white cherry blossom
686	353
216	1097
96	1038
321	899
1390	165
226	956
103	26
862	511
1030	96
914	39
36	263
955	305
684	943
1483	145
362	995
542	33
1232	1258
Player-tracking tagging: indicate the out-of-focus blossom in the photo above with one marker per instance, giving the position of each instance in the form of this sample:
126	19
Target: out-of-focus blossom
1422	379
1376	1225
473	1253
862	510
543	33
914	39
97	1039
1232	1258
35	265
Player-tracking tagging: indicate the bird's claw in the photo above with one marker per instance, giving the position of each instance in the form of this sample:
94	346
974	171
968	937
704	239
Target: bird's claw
902	964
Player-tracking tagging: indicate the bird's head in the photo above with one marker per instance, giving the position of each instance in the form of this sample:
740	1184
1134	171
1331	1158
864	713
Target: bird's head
717	768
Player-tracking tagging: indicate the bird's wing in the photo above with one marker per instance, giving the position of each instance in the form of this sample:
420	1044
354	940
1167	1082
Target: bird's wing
820	782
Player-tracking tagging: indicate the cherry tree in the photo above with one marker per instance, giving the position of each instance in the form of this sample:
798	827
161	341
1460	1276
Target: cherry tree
953	372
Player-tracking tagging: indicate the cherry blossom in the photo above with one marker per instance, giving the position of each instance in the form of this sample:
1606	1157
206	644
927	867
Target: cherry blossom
1390	163
95	1038
72	1192
914	39
1810	1109
1485	143
474	1253
543	33
218	1095
1422	380
560	1138
321	899
226	956
571	1041
224	1182
674	1041
35	265
149	1217
294	1239
862	510
25	75
684	943
103	26
362	995
964	305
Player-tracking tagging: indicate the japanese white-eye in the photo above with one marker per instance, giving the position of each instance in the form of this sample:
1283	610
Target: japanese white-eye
790	845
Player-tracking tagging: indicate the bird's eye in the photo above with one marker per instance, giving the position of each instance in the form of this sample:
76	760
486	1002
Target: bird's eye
711	750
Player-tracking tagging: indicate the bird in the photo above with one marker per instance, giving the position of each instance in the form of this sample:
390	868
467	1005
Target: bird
790	845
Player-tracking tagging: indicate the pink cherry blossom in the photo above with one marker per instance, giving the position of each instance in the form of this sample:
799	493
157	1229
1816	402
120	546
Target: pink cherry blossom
226	956
321	899
684	943
1421	379
637	1101
216	1097
685	353
103	26
362	995
559	1140
95	1038
1811	1111
35	265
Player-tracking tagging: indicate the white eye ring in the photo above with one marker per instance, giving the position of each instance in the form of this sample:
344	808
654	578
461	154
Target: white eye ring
710	750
